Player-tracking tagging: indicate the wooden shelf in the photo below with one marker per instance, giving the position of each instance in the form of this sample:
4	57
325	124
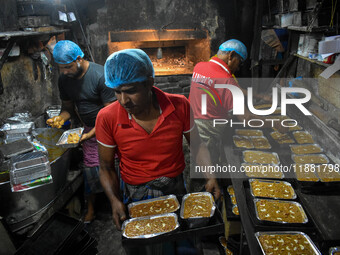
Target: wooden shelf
17	34
303	28
312	29
313	61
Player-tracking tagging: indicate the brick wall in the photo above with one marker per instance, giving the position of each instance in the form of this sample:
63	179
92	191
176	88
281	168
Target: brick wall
175	84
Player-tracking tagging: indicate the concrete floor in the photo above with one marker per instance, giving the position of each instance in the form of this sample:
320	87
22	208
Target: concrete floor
109	239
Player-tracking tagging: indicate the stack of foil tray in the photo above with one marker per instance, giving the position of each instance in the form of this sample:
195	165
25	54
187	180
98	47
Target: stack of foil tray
29	166
18	131
15	148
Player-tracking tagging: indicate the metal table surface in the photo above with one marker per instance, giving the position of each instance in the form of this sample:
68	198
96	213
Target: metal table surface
323	208
237	183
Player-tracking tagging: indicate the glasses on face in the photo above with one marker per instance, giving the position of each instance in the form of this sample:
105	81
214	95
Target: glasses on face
240	60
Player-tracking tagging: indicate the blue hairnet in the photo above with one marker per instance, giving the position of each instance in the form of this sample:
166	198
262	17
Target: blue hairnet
235	45
127	66
65	52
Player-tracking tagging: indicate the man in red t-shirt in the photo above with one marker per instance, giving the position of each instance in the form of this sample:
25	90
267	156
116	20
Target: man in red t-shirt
145	127
219	104
219	69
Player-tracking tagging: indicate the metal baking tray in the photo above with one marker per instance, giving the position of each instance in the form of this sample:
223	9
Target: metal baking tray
262	177
238	132
303	145
15	148
233	208
231	190
264	152
271	181
125	223
20	128
223	241
173	197
313	246
321	169
233	199
228	206
251	146
306	180
197	221
53	111
260	137
62	142
29	166
279	141
333	250
10	138
280	201
294	156
304	132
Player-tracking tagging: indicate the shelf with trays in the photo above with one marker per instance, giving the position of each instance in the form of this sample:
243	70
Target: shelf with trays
20	34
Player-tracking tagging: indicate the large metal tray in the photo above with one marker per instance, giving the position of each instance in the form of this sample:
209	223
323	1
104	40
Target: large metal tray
15	148
307	134
200	221
297	168
20	128
292	146
295	156
240	132
252	138
29	166
280	175
279	201
279	141
63	138
321	175
271	181
264	152
125	223
163	198
235	137
258	234
229	205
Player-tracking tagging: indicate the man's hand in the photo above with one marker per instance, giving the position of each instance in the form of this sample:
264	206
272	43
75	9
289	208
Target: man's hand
84	137
118	213
212	187
55	122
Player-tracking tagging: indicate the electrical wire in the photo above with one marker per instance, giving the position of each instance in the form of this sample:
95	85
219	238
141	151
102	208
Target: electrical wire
333	12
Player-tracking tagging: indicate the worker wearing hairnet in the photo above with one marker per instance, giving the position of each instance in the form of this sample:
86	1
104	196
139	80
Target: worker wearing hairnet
82	92
220	69
145	127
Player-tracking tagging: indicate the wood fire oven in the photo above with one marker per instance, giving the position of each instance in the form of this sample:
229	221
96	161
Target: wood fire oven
172	51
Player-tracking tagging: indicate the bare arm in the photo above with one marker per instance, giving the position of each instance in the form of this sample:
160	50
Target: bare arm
109	180
202	156
92	132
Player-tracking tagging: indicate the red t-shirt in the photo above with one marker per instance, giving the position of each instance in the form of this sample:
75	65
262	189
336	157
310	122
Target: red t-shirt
205	76
145	157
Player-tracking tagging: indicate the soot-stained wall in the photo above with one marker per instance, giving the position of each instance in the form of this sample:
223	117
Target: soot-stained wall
116	15
26	89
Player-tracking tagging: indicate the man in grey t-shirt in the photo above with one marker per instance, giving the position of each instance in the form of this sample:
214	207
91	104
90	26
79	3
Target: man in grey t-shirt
82	91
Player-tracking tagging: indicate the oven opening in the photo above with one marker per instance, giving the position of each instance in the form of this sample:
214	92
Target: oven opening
172	52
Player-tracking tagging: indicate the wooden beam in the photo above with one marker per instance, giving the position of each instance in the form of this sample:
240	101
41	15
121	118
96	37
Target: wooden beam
157	35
